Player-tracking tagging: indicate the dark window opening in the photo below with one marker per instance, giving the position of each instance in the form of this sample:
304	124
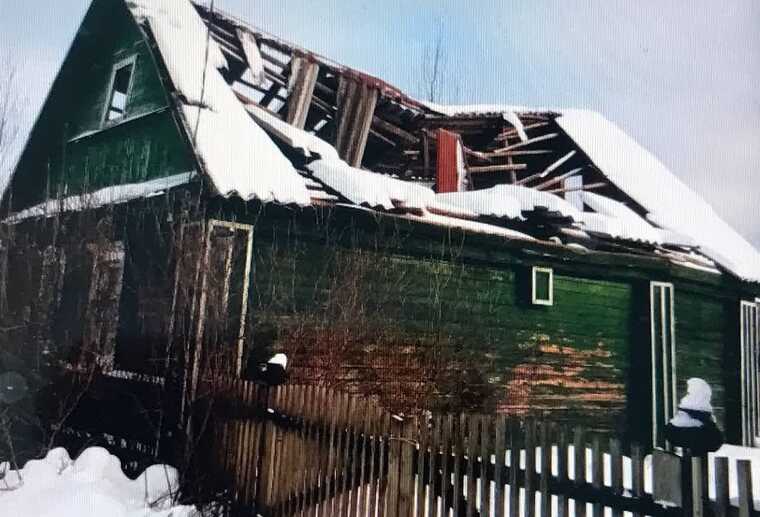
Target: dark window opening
120	85
543	286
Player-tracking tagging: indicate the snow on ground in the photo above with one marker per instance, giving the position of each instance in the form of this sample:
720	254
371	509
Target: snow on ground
237	154
93	485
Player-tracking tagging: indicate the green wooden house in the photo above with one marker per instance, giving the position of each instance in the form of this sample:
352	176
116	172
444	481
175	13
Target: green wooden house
197	194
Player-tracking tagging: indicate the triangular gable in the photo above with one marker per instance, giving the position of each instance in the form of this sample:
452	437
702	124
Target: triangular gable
236	154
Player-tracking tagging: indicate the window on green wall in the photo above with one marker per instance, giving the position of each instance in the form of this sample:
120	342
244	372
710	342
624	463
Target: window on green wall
543	286
663	340
119	90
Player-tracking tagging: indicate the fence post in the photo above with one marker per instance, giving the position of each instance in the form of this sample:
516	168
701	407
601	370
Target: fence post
266	459
698	487
400	469
744	480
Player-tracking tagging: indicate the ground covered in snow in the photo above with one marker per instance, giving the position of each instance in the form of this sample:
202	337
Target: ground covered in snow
93	485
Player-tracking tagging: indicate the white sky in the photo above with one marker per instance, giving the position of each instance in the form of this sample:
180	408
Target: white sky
680	76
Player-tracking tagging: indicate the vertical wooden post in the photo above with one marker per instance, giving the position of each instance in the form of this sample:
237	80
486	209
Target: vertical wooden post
546	470
446	465
421	462
579	446
637	474
461	425
530	468
301	90
406	471
472	452
744	480
697	486
597	473
562	477
616	474
500	445
721	486
514	469
687	487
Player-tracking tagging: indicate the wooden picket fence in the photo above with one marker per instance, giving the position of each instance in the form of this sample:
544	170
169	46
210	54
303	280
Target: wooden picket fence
312	451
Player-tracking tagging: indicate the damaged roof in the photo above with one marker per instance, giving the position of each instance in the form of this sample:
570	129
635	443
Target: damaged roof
272	121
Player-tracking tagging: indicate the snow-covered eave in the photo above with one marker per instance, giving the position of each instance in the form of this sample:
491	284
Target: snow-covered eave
113	195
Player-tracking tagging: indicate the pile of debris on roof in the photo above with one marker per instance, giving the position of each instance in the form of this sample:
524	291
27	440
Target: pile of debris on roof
276	122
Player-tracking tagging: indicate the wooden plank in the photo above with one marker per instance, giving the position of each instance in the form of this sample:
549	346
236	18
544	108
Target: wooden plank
554	181
562	471
362	125
461	426
579	449
345	455
422	459
374	447
361	497
637	473
472	452
329	499
722	502
384	466
434	439
500	447
354	492
394	469
301	90
485	462
698	489
448	422
406	471
514	469
530	469
497	168
616	472
526	143
744	481
597	473
546	453
383	125
590	186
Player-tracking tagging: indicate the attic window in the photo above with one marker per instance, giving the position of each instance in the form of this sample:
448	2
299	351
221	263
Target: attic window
121	84
542	286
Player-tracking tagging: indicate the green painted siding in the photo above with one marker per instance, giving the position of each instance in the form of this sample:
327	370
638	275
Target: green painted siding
70	150
413	329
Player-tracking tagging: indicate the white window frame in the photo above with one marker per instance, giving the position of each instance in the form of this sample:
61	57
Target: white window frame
749	349
659	346
534	297
131	60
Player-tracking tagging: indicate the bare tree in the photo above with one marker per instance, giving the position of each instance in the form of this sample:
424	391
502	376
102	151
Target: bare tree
11	109
437	83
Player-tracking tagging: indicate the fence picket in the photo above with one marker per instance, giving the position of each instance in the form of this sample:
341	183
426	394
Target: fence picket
461	423
597	473
546	454
562	471
421	461
500	450
446	464
744	481
721	486
637	473
616	472
579	449
485	462
472	451
530	469
434	444
514	469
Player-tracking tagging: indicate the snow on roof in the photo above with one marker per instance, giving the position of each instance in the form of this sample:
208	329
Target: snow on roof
532	199
371	189
491	202
237	154
670	203
106	196
291	135
91	486
617	220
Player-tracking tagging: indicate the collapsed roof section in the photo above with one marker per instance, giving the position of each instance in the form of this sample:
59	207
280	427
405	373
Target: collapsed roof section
567	176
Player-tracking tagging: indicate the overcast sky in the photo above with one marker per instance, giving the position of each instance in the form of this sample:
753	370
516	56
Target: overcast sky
682	77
